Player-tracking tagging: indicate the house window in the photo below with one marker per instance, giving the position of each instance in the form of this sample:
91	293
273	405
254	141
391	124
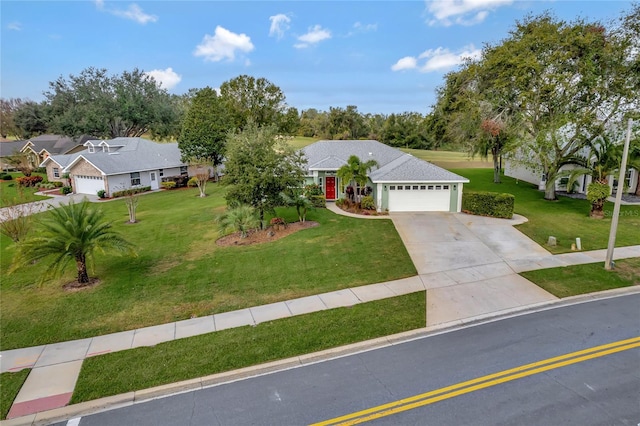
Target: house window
183	170
90	149
423	187
430	188
392	188
445	186
161	172
320	182
415	187
399	187
135	178
56	172
407	187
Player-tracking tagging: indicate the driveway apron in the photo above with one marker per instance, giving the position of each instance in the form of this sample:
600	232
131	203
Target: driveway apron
465	263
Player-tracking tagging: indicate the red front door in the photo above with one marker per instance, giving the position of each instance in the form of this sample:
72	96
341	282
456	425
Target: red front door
330	188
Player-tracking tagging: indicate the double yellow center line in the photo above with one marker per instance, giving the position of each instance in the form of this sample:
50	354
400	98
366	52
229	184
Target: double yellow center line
481	383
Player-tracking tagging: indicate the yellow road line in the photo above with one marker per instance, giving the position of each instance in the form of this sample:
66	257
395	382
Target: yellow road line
481	383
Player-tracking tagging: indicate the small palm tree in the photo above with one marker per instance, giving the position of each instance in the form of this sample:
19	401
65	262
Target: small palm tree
355	170
240	219
70	233
297	199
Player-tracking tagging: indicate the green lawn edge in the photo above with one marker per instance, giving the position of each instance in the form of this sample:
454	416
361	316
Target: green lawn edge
10	384
226	350
574	280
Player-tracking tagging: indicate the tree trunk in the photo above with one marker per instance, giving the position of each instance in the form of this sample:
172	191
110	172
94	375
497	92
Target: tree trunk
81	264
496	168
638	184
597	209
550	191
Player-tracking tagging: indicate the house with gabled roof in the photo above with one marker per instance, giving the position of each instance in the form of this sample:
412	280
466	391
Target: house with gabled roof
117	164
400	182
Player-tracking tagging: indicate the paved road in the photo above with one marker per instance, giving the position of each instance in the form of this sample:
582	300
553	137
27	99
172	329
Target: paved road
598	387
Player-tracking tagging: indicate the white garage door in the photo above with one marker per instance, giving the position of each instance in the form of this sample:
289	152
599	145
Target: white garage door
88	184
419	198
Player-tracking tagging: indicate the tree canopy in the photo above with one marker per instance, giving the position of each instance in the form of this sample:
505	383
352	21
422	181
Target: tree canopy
253	100
96	103
204	128
260	166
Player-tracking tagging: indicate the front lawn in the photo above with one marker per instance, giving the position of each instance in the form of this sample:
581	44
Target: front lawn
566	219
235	348
589	278
181	273
11	194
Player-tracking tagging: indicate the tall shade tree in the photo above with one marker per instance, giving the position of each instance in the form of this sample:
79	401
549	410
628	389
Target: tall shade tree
260	166
96	103
255	100
8	109
71	233
356	171
205	127
566	82
31	119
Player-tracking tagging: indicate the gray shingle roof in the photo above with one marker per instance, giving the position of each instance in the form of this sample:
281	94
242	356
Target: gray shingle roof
10	148
393	164
127	155
55	144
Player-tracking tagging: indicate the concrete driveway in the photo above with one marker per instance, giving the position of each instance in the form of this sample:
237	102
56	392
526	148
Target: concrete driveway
468	263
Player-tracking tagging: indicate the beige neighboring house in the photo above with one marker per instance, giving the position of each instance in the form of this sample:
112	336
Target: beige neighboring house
41	147
117	164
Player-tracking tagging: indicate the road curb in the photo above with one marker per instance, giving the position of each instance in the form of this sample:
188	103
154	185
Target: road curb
131	398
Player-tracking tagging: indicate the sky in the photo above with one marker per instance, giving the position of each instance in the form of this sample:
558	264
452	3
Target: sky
381	56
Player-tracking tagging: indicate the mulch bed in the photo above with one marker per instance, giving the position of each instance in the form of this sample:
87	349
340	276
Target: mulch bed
271	233
74	286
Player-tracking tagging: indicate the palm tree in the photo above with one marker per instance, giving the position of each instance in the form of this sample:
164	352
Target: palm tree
297	199
356	171
240	219
72	232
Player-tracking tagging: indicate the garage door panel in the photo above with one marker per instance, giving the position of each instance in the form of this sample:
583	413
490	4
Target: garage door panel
88	184
410	199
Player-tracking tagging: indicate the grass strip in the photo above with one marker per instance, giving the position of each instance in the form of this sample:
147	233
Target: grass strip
10	384
226	350
581	279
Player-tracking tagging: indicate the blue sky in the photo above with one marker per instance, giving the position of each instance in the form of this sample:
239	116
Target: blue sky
382	56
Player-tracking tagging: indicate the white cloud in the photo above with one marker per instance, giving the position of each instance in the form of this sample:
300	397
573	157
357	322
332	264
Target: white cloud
133	12
223	45
279	25
462	12
14	26
315	35
365	27
167	79
406	63
439	59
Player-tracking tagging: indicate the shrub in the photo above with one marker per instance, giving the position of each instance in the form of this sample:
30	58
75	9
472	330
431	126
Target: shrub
65	190
28	181
277	221
318	201
488	204
131	191
312	190
57	184
102	193
6	176
367	203
340	202
47	185
241	219
193	182
168	185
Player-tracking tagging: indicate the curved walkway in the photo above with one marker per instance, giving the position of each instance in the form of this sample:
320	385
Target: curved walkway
466	264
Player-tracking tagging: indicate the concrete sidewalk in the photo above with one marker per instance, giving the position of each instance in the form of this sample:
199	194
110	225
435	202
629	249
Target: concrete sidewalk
472	279
43	205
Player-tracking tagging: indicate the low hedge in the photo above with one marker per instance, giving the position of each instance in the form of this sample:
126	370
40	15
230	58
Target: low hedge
488	204
318	201
131	191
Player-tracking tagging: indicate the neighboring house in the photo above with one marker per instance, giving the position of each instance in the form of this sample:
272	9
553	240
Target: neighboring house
117	164
41	147
536	177
401	182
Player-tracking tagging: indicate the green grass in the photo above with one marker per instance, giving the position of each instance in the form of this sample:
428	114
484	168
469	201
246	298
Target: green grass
449	159
566	218
11	195
10	384
589	278
227	350
180	272
301	141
